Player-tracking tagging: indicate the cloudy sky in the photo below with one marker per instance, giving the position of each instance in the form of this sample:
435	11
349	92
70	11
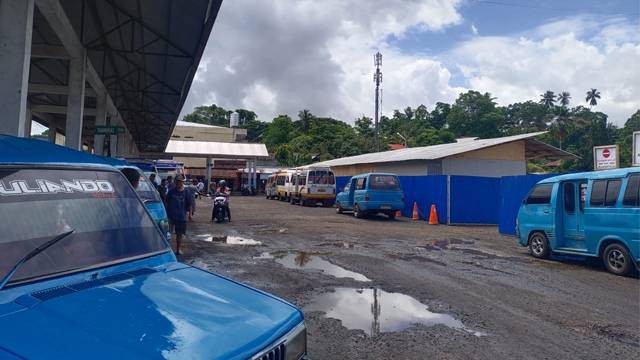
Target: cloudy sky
281	56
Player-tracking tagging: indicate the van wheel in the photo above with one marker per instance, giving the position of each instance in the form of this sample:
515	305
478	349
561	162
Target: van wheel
539	245
357	212
339	209
616	259
391	215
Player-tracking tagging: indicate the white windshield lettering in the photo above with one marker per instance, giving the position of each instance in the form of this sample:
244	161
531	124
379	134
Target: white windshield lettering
42	186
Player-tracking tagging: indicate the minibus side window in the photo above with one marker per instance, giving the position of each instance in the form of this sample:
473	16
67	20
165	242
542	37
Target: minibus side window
613	190
605	192
361	184
569	198
632	193
541	194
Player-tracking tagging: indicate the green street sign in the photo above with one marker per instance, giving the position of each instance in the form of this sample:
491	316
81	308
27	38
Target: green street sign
109	130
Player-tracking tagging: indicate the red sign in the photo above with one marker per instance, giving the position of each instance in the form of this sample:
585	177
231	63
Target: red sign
606	153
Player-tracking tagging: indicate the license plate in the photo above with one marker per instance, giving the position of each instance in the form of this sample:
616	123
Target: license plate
385	207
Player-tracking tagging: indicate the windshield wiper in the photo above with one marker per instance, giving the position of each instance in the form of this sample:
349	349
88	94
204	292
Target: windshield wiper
32	254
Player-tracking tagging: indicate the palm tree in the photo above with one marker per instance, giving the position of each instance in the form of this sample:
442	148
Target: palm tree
305	116
563	98
548	99
592	96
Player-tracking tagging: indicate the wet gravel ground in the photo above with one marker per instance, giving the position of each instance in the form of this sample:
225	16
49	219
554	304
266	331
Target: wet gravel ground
478	295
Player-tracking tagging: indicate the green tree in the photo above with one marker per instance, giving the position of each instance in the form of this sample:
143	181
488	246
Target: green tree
439	115
548	99
305	117
525	117
210	115
564	98
624	139
280	131
592	97
475	114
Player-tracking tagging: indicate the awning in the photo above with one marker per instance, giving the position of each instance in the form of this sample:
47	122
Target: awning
536	149
212	149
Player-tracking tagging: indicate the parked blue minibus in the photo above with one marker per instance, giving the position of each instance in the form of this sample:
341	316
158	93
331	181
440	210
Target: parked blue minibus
595	214
371	193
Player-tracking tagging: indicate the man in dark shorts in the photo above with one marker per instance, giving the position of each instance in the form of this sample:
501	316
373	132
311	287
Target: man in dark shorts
179	206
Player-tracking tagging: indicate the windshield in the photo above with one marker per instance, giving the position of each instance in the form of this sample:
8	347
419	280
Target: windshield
321	177
146	190
110	222
384	182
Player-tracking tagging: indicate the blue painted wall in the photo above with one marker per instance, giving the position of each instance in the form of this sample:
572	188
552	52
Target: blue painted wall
513	190
474	200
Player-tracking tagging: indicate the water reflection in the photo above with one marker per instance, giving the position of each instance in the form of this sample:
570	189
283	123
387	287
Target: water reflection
228	239
305	260
375	311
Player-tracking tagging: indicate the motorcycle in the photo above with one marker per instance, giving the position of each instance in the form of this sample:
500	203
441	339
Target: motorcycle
220	207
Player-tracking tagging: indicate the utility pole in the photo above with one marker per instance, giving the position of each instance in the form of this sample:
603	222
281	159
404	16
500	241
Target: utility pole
377	78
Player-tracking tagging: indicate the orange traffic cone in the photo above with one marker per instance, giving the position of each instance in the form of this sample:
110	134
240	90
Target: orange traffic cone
414	215
433	215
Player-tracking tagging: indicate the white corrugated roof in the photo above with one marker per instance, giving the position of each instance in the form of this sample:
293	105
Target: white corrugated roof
433	152
216	149
192	124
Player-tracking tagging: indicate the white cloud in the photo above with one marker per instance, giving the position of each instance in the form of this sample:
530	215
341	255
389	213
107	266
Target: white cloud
573	55
281	56
288	55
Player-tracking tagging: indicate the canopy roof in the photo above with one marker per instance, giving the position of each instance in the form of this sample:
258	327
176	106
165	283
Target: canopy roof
146	53
533	149
215	149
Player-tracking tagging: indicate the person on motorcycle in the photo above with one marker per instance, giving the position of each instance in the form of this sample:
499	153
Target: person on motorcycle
224	190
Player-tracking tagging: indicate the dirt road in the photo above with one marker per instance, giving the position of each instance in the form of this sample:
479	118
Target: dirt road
381	289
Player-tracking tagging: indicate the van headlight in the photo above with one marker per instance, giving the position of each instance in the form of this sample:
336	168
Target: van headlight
296	343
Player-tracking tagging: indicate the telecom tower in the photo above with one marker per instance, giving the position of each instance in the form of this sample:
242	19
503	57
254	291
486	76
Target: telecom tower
377	78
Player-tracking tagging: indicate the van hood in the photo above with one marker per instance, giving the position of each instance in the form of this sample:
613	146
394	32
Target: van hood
183	313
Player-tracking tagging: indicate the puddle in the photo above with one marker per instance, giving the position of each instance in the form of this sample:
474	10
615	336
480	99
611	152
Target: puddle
443	244
228	239
305	260
376	311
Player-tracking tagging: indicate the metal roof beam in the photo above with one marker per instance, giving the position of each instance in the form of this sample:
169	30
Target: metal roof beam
149	28
58	109
56	89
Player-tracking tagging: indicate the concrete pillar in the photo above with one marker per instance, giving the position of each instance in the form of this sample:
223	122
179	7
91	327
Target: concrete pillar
16	26
75	103
101	120
52	133
28	118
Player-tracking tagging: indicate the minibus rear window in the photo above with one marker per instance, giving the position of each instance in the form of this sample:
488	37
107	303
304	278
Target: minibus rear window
632	193
541	194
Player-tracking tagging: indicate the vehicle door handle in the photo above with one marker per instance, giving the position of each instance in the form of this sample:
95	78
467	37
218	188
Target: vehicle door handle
546	211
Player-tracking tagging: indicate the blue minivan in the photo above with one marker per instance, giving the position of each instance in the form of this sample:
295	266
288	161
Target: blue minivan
371	193
595	214
86	273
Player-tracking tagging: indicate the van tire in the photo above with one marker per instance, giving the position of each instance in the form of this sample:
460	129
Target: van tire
616	259
539	245
391	215
339	209
357	212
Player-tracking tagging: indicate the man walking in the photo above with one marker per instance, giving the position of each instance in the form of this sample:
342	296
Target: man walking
179	206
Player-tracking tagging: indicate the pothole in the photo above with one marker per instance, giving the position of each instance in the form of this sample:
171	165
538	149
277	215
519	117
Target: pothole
305	260
376	311
227	239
